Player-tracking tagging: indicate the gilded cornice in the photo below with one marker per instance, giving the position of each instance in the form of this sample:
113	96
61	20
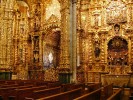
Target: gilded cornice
45	2
53	21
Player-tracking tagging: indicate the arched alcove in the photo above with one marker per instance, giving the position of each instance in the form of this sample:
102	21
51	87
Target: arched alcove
117	57
117	52
51	50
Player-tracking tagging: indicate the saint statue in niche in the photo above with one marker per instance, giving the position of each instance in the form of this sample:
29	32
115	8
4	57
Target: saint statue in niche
117	28
50	57
97	52
96	46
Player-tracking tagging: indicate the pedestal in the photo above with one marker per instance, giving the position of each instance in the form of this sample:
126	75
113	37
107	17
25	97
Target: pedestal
65	77
5	75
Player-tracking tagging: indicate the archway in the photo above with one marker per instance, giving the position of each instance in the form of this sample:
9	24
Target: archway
51	50
117	54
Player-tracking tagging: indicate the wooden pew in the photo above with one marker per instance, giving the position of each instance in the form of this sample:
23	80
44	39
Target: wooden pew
1	98
26	98
68	87
92	87
107	91
5	92
116	96
130	97
46	92
69	95
9	82
65	87
2	81
20	94
53	84
95	95
40	83
6	86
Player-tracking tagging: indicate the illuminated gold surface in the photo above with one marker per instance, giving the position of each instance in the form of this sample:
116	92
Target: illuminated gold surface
22	21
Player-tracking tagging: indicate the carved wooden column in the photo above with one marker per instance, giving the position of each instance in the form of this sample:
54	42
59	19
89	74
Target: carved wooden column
7	27
90	50
15	38
103	54
131	53
130	11
64	68
6	36
83	54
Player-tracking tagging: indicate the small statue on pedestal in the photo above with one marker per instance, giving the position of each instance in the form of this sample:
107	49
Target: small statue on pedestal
96	46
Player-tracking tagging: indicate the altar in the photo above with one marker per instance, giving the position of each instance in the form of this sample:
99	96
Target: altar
117	80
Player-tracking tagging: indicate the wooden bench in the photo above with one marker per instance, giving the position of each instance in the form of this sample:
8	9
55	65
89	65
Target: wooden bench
5	86
65	87
4	92
107	91
95	95
116	96
20	94
45	92
69	95
91	87
53	84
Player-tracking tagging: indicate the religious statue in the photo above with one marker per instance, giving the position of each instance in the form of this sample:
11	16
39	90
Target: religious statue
117	28
96	45
36	57
50	56
97	52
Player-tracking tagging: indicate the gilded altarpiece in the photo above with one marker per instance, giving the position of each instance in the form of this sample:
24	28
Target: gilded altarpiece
45	43
107	25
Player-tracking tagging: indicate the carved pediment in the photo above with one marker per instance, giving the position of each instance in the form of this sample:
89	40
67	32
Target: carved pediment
116	12
52	21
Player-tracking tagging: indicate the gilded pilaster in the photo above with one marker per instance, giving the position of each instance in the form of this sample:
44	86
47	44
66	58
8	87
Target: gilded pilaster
6	34
65	24
90	49
79	14
130	12
102	48
64	65
131	52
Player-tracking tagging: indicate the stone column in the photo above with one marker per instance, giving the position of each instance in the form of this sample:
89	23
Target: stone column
74	40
